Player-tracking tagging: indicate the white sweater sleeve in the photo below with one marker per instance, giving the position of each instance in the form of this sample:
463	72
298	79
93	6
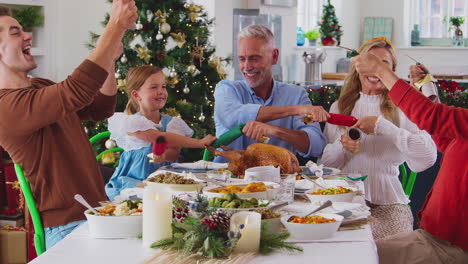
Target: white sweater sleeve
334	155
417	146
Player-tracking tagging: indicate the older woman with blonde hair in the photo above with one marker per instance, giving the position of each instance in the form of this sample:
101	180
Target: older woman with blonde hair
389	139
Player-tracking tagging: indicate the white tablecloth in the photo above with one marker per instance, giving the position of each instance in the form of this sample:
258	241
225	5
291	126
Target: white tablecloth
354	246
79	248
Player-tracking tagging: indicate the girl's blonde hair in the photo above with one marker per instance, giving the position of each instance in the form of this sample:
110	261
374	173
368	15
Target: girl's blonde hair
352	85
136	77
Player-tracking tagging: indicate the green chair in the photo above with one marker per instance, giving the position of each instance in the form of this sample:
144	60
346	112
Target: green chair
39	237
407	182
224	139
100	136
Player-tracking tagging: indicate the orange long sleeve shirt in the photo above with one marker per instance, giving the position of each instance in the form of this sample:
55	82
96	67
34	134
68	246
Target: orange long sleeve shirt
40	127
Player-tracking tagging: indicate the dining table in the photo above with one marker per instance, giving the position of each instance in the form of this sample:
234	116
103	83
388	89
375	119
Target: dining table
354	245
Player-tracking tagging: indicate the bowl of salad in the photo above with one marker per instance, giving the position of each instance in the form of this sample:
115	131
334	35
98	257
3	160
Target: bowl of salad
124	220
334	194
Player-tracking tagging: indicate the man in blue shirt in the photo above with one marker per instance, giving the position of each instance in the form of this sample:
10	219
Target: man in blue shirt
268	108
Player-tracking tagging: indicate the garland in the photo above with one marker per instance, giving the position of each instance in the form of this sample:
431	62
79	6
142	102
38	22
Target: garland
203	232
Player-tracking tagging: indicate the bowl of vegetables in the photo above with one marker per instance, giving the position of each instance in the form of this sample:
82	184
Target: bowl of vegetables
124	220
258	190
334	194
313	227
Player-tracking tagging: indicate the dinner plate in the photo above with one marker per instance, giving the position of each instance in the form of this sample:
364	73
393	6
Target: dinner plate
326	171
170	168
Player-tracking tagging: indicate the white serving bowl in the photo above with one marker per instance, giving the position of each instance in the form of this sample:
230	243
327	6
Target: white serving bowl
114	226
313	231
344	197
270	193
196	187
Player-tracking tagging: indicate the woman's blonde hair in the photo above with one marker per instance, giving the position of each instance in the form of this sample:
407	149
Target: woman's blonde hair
136	77
352	85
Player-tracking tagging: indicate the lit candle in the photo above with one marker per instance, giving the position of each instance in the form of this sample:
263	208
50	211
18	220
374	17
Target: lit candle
157	216
250	231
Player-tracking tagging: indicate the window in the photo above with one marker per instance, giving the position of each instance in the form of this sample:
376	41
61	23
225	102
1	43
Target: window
433	16
308	13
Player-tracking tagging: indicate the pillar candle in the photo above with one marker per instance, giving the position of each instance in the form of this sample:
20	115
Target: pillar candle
157	216
250	234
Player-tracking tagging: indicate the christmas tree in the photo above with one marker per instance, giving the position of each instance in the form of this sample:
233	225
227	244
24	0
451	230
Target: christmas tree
173	35
330	29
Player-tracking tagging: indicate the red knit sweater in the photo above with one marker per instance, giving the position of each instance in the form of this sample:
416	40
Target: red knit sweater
445	212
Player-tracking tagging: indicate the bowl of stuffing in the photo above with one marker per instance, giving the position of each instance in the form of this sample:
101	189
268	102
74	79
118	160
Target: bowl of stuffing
334	194
174	181
123	220
312	227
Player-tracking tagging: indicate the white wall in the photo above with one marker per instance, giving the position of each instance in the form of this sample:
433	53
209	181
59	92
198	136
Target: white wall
75	19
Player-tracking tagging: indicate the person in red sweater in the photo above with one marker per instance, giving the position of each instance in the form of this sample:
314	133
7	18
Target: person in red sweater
443	237
40	120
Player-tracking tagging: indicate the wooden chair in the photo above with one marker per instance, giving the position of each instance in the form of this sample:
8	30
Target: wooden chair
39	237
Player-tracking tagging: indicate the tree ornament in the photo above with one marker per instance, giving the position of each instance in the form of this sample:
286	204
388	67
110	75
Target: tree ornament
149	39
117	74
86	130
120	84
193	11
197	53
173	73
179	38
110	144
160	55
149	15
143	53
165	28
187	5
186	90
160	16
191	69
215	62
202	117
123	59
159	36
172	82
138	25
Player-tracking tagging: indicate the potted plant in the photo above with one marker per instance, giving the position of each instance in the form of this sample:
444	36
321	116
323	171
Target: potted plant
312	36
29	17
457	21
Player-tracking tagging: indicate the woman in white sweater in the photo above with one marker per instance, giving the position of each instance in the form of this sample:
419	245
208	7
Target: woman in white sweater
391	140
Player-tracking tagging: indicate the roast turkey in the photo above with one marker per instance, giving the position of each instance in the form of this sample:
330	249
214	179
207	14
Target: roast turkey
258	154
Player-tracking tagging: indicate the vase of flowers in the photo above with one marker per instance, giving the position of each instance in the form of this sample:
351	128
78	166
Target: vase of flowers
457	21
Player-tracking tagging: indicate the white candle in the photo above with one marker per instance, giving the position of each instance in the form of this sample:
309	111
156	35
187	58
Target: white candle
250	234
157	216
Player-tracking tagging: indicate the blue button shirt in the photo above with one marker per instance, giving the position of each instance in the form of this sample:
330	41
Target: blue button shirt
236	103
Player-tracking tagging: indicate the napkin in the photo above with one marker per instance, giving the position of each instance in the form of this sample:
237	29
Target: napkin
316	169
201	164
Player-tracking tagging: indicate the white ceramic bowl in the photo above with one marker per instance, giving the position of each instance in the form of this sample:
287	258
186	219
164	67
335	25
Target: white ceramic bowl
313	231
270	193
196	187
114	226
344	197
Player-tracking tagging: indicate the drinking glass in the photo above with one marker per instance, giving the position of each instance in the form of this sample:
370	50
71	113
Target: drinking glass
286	189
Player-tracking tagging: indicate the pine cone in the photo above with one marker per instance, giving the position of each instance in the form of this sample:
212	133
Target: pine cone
220	219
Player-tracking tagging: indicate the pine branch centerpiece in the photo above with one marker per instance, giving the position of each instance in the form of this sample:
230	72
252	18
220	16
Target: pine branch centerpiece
202	233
